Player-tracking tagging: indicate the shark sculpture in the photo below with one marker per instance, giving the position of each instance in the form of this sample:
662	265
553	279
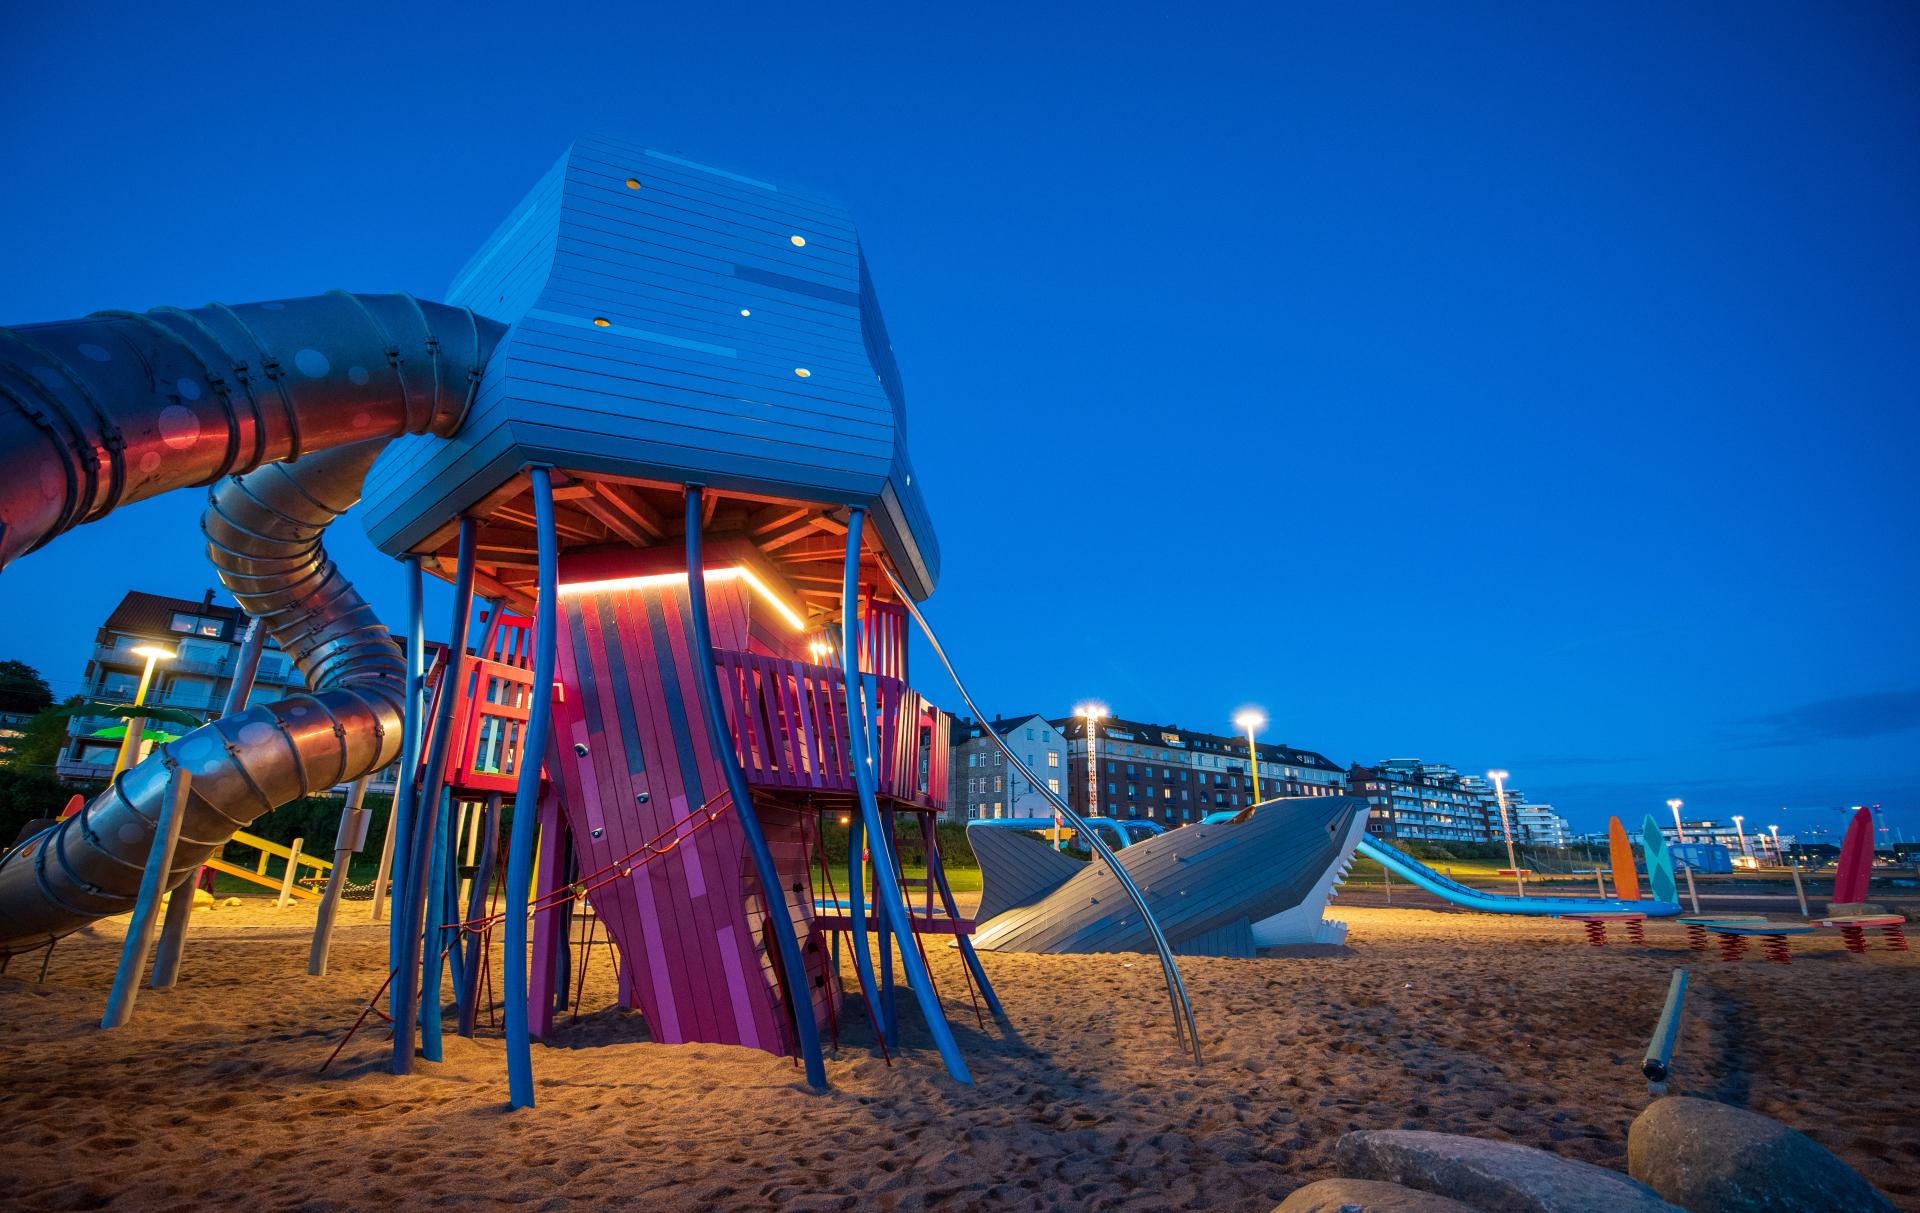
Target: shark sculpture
1223	889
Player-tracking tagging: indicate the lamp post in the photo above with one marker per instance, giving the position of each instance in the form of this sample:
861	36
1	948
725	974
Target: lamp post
137	725
1251	720
1500	798
1680	831
1737	819
1092	713
1775	831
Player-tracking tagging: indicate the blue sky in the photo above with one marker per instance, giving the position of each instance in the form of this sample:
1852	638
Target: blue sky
1529	386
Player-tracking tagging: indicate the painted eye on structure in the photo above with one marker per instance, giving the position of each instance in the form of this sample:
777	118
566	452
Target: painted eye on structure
798	241
602	321
803	372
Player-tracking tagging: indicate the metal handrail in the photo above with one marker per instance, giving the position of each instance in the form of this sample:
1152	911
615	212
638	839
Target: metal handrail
1184	1027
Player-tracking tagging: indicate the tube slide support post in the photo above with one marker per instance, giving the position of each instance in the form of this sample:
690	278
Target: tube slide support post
779	916
246	669
526	798
400	814
886	883
133	953
347	841
412	917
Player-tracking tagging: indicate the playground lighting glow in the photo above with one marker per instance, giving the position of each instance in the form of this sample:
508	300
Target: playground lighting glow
659	579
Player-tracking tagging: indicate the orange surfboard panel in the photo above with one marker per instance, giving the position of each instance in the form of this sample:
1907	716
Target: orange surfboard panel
1626	881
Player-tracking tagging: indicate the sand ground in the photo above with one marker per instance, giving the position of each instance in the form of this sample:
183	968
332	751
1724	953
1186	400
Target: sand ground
1505	1028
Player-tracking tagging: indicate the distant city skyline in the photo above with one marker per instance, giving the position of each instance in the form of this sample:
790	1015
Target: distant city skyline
1509	387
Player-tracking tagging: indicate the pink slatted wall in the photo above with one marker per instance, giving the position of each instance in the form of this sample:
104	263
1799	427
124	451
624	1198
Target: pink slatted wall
690	924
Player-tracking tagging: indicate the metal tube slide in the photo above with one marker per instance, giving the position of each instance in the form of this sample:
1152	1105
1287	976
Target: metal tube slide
95	413
1412	870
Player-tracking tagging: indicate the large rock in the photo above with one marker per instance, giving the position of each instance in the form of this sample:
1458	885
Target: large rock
1493	1176
1366	1196
1713	1158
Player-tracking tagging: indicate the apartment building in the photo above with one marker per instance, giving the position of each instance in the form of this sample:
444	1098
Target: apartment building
1173	775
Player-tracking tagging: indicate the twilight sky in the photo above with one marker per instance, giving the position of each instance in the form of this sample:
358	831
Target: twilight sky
1512	385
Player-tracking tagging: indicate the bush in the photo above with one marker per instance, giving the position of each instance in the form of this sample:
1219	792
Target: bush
26	795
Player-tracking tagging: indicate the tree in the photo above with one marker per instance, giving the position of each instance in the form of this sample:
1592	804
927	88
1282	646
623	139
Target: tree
38	745
22	689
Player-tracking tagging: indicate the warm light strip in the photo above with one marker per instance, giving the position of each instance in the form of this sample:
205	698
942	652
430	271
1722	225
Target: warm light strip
656	579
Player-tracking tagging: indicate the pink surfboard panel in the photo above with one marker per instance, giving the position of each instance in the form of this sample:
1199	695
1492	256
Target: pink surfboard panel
1856	860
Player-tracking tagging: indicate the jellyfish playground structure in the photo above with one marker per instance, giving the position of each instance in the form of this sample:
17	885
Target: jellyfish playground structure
657	427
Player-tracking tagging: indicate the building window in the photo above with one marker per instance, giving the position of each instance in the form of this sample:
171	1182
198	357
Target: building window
1053	785
1029	734
1053	758
996	781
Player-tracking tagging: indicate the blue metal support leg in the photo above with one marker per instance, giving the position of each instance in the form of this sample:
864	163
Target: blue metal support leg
886	885
525	799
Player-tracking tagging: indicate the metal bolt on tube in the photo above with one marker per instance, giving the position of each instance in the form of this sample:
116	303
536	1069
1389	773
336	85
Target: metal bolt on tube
1184	1028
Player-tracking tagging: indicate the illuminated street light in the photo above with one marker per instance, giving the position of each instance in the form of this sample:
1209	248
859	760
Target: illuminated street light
1678	829
1500	798
1744	853
137	725
1251	720
1775	831
1092	713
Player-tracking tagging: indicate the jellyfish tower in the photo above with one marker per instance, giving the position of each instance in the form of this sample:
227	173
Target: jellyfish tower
659	417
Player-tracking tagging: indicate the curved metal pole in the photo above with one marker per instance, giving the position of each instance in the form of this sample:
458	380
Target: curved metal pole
792	967
937	872
420	861
1183	1026
857	941
886	886
526	795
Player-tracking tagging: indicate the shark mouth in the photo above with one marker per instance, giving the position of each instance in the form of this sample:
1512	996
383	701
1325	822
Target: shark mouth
1306	923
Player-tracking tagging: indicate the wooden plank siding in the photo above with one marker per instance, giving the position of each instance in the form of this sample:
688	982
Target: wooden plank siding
678	385
690	923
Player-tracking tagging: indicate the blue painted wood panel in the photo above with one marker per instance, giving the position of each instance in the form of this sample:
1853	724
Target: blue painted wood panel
710	308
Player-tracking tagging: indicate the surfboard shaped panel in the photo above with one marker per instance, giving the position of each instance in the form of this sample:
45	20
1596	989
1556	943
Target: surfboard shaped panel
1855	869
1659	861
1626	881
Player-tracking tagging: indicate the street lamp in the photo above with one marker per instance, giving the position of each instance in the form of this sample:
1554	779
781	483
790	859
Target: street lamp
1252	720
1744	853
1775	831
137	725
1093	713
1500	798
1679	830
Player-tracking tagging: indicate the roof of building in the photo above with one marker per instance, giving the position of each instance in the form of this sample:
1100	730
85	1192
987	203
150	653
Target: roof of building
1174	737
140	611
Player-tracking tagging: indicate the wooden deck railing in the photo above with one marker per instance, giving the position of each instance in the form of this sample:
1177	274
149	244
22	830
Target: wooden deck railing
789	728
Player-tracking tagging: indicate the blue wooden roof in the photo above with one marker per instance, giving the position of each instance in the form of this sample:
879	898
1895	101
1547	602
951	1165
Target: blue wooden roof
675	322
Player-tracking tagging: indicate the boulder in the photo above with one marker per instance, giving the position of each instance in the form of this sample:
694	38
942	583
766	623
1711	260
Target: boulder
1714	1158
1493	1176
1366	1196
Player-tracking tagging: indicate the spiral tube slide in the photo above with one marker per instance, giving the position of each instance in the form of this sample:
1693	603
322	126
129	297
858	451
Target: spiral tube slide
1413	871
298	397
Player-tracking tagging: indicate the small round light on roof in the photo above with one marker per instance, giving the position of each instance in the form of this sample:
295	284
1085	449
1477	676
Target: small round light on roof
745	312
602	321
798	241
633	183
803	372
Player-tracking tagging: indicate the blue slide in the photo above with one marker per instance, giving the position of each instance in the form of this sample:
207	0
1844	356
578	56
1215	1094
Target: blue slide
1413	871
